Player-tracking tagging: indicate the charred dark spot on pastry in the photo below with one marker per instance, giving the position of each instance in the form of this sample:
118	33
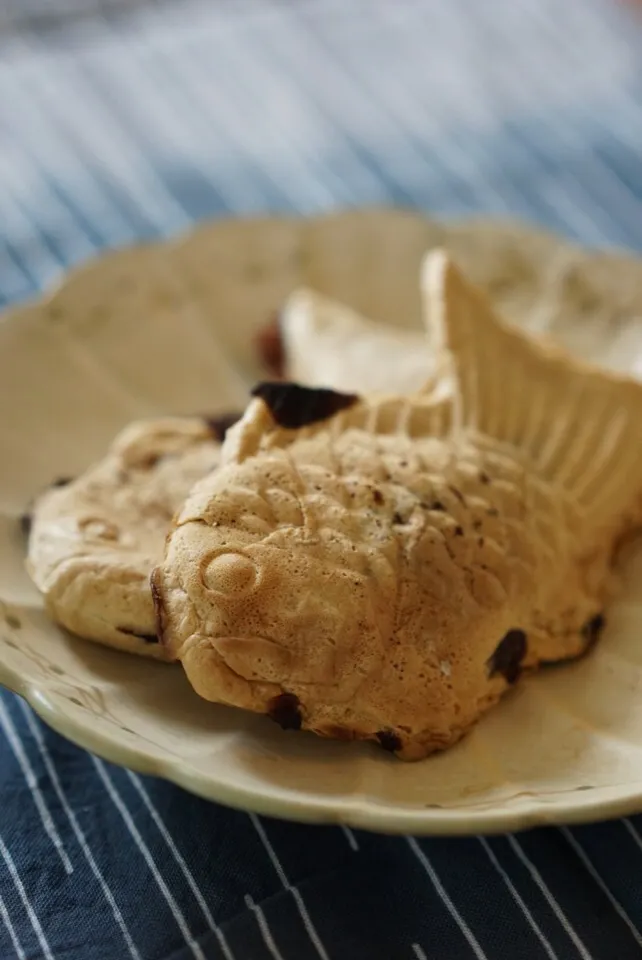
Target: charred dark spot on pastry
270	347
61	481
389	740
592	631
459	531
159	606
294	406
218	426
483	477
26	521
286	711
477	524
507	658
438	505
457	493
146	637
397	518
377	496
493	512
480	542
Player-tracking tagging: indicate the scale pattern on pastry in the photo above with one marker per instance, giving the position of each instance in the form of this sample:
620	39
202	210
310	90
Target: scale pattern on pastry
94	540
386	568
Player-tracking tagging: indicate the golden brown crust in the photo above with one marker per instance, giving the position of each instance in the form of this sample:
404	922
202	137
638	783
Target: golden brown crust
94	540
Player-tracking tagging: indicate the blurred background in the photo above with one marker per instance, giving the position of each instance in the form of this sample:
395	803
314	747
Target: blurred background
125	119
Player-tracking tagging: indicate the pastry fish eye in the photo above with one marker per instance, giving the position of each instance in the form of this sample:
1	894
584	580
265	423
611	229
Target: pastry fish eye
229	573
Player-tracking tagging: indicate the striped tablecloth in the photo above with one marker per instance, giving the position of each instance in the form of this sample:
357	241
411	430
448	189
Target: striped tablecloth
121	120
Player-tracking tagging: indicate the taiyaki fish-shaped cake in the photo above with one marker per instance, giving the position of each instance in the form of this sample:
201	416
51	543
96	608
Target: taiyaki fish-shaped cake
94	540
385	568
316	341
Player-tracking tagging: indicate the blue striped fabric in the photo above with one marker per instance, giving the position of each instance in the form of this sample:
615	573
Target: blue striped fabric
122	120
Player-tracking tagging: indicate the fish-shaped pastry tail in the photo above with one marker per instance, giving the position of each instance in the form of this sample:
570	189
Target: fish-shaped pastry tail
580	426
384	568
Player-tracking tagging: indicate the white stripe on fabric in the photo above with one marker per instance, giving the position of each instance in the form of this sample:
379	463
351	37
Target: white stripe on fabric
350	837
620	204
14	278
38	797
226	101
418	952
176	911
100	104
518	899
292	51
348	88
92	130
43	265
308	178
77	178
180	860
397	108
298	899
36	732
263	925
31	913
6	919
550	899
175	117
19	170
448	903
589	867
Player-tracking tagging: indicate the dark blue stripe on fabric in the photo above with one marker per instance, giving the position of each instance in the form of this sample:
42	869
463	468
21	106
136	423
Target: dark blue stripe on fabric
485	903
576	894
624	163
230	843
615	851
63	904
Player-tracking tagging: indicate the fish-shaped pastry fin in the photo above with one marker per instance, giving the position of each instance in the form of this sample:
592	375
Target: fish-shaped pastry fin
283	412
385	567
580	426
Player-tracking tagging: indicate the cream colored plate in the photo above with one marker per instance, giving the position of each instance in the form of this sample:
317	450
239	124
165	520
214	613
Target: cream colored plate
168	329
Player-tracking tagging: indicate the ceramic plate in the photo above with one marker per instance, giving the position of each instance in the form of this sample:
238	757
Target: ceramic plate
168	328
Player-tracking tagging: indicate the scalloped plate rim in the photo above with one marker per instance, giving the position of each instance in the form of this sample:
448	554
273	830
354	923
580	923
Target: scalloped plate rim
378	818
